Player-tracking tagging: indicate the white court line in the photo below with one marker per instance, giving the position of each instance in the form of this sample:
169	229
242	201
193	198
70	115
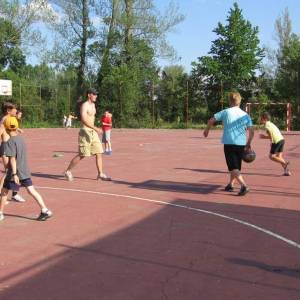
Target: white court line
258	228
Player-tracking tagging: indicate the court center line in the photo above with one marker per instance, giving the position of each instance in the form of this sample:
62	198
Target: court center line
258	228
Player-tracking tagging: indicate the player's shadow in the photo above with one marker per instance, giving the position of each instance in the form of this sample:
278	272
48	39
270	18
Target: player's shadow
21	217
226	172
172	186
57	176
265	267
49	176
204	170
294	154
201	137
275	193
65	151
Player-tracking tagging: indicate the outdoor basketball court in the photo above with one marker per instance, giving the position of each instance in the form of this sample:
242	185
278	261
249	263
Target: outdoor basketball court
162	229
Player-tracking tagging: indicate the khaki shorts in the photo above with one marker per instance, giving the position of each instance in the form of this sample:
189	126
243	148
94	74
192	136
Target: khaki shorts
89	142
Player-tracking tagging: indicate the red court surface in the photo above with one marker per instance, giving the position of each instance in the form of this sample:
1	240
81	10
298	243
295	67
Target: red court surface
162	229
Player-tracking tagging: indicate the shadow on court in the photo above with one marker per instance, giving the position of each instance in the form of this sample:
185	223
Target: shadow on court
282	270
180	187
65	151
172	186
226	172
57	176
21	217
171	254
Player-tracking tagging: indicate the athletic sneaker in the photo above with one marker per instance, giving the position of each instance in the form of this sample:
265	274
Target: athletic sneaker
45	215
229	188
243	191
286	170
18	198
69	175
1	217
103	177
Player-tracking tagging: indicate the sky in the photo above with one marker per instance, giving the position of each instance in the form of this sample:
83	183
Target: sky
192	38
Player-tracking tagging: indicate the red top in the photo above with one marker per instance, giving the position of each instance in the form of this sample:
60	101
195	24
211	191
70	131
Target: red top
106	120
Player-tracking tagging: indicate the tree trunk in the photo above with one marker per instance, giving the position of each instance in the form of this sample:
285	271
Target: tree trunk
128	30
83	46
104	69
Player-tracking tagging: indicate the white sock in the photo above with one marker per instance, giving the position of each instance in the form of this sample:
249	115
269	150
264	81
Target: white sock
44	210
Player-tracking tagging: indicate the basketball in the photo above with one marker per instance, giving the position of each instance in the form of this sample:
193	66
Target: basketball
249	156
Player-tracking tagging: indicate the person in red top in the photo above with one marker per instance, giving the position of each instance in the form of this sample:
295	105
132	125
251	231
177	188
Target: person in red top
106	122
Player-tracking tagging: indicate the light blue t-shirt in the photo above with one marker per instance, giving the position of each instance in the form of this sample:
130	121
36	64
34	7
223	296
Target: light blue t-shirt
235	122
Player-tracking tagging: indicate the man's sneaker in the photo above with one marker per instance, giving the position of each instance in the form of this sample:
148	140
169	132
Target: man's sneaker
44	215
103	177
1	216
286	170
69	175
18	198
229	188
243	191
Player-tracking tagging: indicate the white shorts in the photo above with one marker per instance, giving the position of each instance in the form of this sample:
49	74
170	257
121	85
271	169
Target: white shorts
106	136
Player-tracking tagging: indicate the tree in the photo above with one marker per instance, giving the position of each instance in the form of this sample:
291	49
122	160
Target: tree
286	78
234	56
283	32
172	94
23	15
288	72
11	55
283	29
109	41
132	40
126	89
76	32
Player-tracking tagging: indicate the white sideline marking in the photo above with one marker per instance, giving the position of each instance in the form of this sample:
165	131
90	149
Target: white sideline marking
258	228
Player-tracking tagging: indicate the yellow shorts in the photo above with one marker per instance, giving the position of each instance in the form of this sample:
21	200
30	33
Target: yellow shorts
89	142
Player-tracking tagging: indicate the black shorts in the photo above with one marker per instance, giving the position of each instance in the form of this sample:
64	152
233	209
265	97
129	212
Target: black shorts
11	185
234	155
2	149
277	148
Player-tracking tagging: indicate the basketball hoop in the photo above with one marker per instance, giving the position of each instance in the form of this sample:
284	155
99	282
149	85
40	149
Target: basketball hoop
5	87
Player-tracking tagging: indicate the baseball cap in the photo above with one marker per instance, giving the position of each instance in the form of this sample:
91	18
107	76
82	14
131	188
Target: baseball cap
11	123
92	91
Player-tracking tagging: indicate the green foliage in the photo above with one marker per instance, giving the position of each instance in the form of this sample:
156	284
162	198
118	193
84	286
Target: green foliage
125	90
43	96
289	69
118	57
171	104
235	53
11	55
234	57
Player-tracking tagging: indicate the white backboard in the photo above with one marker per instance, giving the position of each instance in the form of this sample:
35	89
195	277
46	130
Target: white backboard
5	87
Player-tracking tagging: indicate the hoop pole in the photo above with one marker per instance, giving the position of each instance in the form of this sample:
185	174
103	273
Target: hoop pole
69	98
187	105
288	117
248	108
20	95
